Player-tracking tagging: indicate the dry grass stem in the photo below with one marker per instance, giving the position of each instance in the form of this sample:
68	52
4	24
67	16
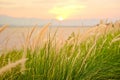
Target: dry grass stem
40	36
12	65
3	27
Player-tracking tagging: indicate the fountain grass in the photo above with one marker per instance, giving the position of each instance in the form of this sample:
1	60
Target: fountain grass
95	58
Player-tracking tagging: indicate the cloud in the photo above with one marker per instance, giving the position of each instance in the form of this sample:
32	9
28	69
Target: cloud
6	3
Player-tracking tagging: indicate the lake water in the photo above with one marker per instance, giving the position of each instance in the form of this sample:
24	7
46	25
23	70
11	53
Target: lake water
14	37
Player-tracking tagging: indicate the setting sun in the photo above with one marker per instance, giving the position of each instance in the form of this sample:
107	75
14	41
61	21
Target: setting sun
60	18
66	11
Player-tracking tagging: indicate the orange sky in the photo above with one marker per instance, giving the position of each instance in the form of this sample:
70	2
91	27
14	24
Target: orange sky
67	9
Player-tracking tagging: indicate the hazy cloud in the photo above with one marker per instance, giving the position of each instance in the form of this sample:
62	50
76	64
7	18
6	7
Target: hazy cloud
6	3
43	8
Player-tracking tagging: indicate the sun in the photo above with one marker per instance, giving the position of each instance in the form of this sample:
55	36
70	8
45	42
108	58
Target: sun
60	18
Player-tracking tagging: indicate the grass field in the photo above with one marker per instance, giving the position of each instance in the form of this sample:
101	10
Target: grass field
93	55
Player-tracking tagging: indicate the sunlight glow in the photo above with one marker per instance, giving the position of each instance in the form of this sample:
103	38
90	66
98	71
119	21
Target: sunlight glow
60	18
63	12
69	9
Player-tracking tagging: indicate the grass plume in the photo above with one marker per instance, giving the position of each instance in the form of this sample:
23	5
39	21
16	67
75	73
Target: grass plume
11	65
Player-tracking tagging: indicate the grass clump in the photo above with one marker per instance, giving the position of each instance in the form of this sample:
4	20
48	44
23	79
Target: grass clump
96	57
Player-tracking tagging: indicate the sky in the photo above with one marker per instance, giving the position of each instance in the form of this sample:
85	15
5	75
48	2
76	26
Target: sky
61	9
